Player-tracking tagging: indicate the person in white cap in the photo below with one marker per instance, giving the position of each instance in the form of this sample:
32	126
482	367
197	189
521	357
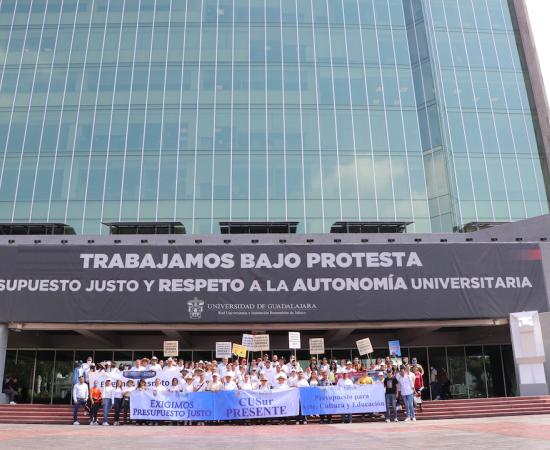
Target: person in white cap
155	364
108	400
281	384
345	382
230	384
188	386
216	385
170	366
201	384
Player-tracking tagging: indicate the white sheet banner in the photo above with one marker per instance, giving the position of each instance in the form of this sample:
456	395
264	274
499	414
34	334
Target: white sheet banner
149	376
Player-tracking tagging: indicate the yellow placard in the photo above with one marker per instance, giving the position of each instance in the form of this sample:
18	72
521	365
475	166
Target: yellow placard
239	350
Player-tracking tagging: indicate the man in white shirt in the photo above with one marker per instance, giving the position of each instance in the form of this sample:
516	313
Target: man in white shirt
108	399
281	384
85	369
406	389
292	380
269	372
222	367
81	394
155	364
346	382
230	384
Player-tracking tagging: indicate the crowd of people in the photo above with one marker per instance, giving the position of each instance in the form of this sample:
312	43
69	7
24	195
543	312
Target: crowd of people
403	382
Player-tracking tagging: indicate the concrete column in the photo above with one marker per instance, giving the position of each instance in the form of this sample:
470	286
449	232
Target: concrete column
3	347
529	354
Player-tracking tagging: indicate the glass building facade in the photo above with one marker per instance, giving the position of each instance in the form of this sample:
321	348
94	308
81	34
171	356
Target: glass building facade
309	110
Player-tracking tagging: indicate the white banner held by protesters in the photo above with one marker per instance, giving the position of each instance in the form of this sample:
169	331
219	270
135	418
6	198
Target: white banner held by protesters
165	377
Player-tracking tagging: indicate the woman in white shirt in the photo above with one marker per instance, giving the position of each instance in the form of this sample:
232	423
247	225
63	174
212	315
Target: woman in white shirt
158	387
126	391
118	394
245	384
175	386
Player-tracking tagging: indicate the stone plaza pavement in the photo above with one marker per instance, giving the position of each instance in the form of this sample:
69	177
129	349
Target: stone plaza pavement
518	432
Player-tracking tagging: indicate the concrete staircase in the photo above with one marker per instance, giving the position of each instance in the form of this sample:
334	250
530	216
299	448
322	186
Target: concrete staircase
441	409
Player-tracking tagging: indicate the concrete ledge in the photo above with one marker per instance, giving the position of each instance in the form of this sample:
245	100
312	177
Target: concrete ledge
527	390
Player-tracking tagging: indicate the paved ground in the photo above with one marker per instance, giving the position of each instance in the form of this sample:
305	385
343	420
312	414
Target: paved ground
521	432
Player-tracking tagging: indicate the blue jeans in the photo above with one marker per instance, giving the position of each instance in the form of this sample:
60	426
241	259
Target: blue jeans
409	406
118	407
107	404
391	401
76	407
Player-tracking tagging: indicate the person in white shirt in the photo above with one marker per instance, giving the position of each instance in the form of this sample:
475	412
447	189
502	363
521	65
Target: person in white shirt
342	366
118	394
170	365
175	386
201	384
245	384
269	372
216	385
264	384
301	381
155	364
230	384
137	365
254	379
346	382
292	378
281	384
126	391
85	368
188	386
222	367
158	387
81	394
108	397
406	389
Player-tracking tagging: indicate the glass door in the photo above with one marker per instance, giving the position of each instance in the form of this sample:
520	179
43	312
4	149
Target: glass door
476	379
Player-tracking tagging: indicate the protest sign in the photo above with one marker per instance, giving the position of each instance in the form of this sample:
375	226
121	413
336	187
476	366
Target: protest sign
248	341
294	340
223	349
364	346
239	350
395	348
261	342
171	348
316	346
